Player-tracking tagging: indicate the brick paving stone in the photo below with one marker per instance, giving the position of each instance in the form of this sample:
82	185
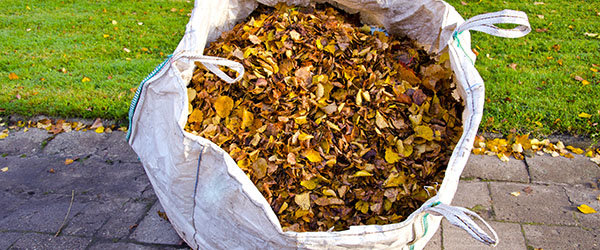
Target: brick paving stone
20	142
122	222
581	195
41	215
153	229
579	170
48	241
8	238
510	235
545	204
474	195
436	241
492	168
561	237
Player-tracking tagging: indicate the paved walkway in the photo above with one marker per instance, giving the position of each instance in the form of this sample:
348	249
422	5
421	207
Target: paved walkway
114	206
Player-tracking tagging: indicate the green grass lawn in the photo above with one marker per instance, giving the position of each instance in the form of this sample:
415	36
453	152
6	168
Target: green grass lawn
53	46
541	95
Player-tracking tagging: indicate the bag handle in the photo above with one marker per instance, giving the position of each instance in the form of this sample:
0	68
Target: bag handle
459	216
486	23
211	63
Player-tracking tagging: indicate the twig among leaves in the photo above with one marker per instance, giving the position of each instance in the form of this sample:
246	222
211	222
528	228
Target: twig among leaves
66	216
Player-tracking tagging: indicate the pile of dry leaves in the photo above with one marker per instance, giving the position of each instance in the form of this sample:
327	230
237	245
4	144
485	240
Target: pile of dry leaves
335	124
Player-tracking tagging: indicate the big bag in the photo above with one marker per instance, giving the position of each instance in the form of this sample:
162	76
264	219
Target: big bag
209	199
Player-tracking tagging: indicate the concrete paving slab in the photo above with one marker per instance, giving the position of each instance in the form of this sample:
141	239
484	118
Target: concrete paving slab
561	237
544	204
492	168
75	144
581	195
123	222
21	142
475	196
116	148
10	203
26	174
509	234
92	217
41	215
8	238
48	241
436	241
126	246
154	229
579	170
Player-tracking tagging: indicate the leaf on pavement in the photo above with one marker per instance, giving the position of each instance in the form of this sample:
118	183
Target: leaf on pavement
586	209
68	161
4	169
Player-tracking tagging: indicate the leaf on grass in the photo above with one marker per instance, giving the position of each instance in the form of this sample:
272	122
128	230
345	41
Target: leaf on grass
13	76
586	209
85	79
303	200
223	105
584	115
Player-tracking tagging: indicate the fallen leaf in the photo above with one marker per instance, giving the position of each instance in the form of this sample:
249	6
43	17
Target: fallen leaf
584	82
538	3
97	123
584	115
114	22
303	200
51	171
68	161
516	193
85	79
591	34
391	156
223	105
99	130
586	209
313	156
578	78
254	39
13	76
4	169
3	135
362	173
528	190
424	132
594	69
513	66
126	50
540	16
310	184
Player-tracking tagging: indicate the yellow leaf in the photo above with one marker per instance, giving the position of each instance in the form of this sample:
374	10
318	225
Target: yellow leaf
502	157
247	119
196	116
584	115
319	45
586	209
391	156
100	130
395	180
300	120
329	192
303	136
223	105
283	207
3	135
333	126
310	184
516	193
105	35
362	206
312	155
86	79
362	173
303	200
575	150
13	76
424	132
330	48
68	161
4	169
585	82
594	69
